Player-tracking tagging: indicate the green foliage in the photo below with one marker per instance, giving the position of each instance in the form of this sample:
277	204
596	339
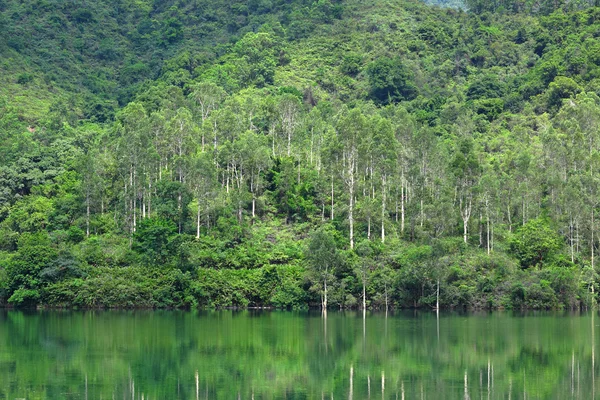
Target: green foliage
24	269
152	240
26	298
139	287
202	142
390	81
535	243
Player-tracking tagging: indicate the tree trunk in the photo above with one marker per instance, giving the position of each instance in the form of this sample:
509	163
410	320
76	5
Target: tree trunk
466	215
331	197
198	222
383	209
351	205
364	294
87	214
402	206
324	306
480	230
572	239
422	212
150	198
386	298
487	211
179	209
437	296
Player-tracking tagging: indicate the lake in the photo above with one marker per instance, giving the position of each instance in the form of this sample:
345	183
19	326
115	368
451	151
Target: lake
297	355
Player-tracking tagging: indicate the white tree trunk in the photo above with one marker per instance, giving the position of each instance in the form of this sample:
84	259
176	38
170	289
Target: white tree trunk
364	295
465	210
402	206
325	294
87	214
351	205
331	197
383	209
198	222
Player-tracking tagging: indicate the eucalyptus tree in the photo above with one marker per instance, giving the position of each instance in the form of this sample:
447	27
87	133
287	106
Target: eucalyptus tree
385	155
466	172
133	147
323	259
227	126
203	182
254	152
318	126
91	184
579	122
160	141
207	97
319	129
289	111
427	175
489	193
351	128
181	132
404	131
332	155
365	266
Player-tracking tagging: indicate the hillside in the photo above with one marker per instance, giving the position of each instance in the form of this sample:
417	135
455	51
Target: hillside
293	154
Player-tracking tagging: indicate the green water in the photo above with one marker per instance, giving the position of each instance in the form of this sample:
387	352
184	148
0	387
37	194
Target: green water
284	355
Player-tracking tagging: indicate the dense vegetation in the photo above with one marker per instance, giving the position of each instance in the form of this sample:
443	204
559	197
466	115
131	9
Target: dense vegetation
294	153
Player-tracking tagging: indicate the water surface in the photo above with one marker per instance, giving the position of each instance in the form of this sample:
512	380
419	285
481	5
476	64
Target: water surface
285	355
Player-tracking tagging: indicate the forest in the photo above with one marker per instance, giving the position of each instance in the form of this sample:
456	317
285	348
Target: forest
378	154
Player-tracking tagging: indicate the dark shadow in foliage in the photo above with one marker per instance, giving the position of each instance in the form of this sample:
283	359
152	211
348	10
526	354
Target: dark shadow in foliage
64	266
171	202
390	81
292	189
152	241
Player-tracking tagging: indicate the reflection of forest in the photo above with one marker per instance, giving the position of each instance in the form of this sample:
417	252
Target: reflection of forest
295	356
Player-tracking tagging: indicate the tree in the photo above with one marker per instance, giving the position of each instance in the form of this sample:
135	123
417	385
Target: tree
208	97
289	108
34	253
203	182
364	267
133	149
385	154
257	62
390	81
151	240
254	154
322	258
465	168
535	243
351	129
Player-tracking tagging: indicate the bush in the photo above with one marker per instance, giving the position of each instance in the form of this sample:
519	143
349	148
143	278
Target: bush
535	243
134	287
541	296
24	298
